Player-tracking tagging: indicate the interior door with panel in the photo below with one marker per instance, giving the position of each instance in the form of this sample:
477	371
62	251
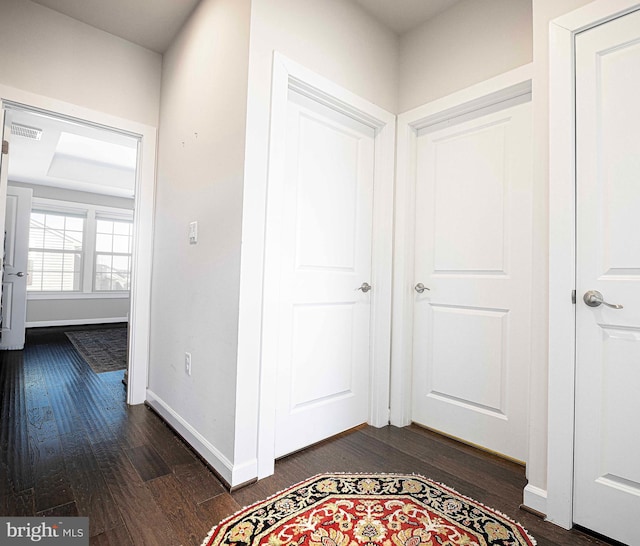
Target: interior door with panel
14	271
607	442
325	275
472	307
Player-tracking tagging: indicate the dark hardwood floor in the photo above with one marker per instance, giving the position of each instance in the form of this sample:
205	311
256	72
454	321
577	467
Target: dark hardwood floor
69	445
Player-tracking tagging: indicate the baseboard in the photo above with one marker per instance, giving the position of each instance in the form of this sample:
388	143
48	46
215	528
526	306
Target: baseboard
535	499
73	322
233	475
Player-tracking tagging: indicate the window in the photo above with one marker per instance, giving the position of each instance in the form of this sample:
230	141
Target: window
114	239
79	248
55	252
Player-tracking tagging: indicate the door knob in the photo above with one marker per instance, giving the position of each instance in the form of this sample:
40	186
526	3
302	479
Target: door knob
365	287
593	298
18	274
420	288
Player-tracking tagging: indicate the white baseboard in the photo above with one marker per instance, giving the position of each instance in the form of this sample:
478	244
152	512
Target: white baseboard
535	498
234	475
74	322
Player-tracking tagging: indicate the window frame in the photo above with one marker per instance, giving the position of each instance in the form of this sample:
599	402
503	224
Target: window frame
57	211
110	217
90	213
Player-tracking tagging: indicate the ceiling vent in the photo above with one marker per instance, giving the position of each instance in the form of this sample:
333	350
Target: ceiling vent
26	131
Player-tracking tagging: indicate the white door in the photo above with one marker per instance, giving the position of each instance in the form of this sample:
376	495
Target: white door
607	430
471	347
325	255
14	273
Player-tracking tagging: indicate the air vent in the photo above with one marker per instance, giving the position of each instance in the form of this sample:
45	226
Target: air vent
26	131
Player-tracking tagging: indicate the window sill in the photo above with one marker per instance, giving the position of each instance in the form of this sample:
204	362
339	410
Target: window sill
76	295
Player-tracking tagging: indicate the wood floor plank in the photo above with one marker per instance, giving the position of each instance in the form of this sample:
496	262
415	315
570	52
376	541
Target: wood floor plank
69	510
216	509
181	511
465	465
198	481
17	504
143	426
147	462
147	524
52	487
113	537
15	452
172	449
92	496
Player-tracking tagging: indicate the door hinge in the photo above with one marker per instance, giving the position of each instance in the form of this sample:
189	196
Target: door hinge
5	147
573	296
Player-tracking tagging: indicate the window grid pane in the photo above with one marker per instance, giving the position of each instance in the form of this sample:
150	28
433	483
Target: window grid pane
55	252
113	255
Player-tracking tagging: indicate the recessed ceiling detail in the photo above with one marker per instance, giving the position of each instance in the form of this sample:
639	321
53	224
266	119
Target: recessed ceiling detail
96	151
72	156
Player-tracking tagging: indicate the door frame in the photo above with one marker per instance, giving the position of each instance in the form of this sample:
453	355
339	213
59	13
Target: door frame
140	302
501	91
562	249
290	75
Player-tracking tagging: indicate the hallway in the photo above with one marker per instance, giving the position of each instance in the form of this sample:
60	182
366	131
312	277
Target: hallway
70	446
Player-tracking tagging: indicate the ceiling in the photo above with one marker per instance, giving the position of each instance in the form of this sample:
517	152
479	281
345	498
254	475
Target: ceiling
71	156
404	15
154	23
149	23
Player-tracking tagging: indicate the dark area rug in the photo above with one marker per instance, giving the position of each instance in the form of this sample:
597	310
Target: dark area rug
104	350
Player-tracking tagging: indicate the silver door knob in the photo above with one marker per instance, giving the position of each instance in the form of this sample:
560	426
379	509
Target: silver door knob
18	274
365	287
593	298
420	288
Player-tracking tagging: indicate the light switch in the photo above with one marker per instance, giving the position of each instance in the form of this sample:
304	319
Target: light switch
193	233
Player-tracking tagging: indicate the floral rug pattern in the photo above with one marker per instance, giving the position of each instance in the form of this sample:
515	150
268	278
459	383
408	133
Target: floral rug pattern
368	510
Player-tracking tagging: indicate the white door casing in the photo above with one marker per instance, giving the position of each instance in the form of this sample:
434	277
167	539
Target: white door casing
5	124
607	450
471	337
559	502
5	120
14	272
324	323
291	77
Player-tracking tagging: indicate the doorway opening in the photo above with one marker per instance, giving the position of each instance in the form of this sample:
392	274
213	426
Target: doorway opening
69	233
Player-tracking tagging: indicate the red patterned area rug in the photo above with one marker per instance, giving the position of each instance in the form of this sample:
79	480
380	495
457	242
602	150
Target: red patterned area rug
368	510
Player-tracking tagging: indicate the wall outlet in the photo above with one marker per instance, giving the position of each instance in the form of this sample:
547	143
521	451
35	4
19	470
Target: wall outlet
187	363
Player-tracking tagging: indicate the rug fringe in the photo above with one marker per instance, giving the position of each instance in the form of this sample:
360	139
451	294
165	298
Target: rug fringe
522	529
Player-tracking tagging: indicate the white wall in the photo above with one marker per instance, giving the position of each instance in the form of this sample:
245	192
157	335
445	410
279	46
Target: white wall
61	311
334	38
339	41
194	304
50	54
466	44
